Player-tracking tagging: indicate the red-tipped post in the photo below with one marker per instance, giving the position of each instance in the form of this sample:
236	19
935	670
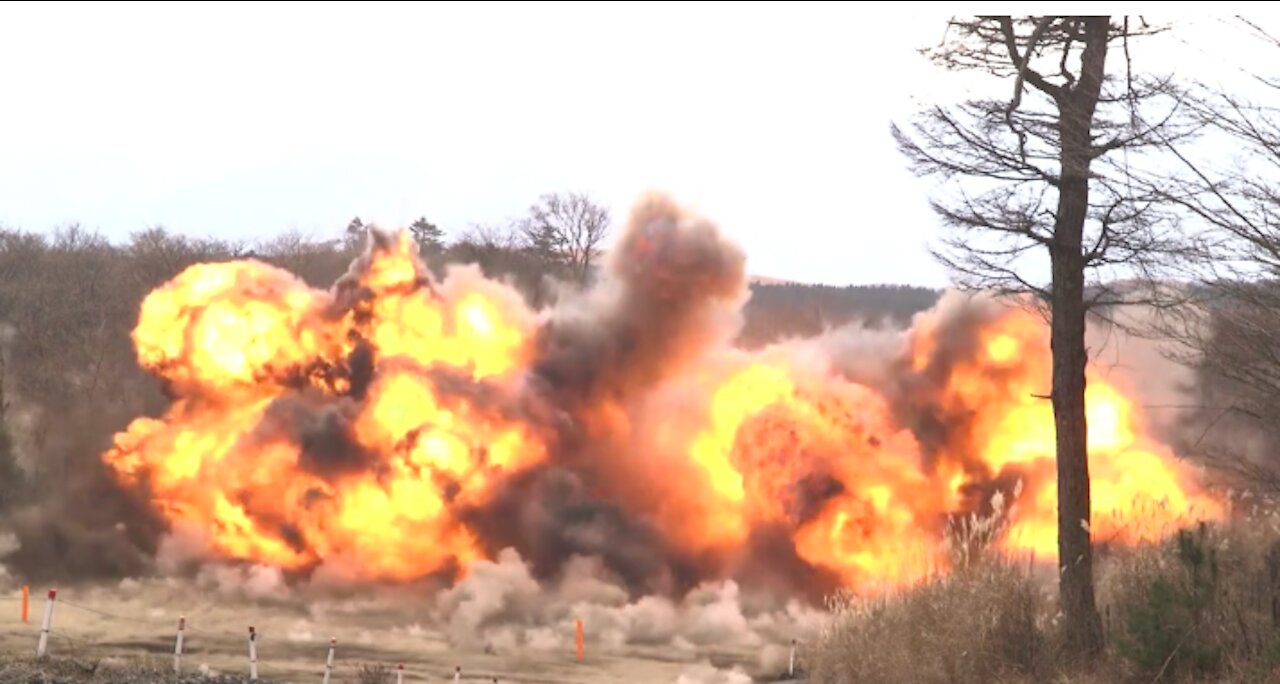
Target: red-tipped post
177	645
400	673
253	654
328	663
47	624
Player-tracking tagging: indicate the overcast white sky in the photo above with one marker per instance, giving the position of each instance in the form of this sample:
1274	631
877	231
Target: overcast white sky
250	119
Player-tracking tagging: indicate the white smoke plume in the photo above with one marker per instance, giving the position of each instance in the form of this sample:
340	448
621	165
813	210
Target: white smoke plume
501	607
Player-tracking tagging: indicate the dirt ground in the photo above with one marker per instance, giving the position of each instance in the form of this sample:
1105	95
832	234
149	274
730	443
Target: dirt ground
116	630
296	662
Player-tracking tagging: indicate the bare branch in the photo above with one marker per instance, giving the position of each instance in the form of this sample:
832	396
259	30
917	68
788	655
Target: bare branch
1022	61
567	229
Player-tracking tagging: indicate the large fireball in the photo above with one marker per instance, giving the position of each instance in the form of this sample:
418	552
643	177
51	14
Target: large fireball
395	427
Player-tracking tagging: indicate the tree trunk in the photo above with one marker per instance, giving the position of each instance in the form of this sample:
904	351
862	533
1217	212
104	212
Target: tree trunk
1075	555
1082	625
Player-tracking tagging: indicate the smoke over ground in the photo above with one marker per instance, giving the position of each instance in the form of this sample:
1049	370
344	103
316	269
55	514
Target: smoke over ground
613	457
498	620
501	606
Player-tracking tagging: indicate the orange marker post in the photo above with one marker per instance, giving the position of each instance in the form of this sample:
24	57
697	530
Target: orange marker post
580	640
26	603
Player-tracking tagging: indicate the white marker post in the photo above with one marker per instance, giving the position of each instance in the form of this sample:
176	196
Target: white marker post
791	667
400	673
253	655
45	626
457	674
177	646
328	664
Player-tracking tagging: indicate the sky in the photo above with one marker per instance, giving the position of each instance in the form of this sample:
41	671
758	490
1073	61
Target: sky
245	120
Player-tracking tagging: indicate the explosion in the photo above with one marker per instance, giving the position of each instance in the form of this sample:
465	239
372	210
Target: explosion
396	427
328	426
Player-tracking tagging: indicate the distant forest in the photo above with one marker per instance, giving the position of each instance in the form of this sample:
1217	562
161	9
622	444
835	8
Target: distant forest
792	309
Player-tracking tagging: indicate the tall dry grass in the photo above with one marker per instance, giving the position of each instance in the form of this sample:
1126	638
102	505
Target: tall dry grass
1201	604
986	621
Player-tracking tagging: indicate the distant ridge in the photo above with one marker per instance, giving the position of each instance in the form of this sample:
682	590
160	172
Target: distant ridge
780	309
766	280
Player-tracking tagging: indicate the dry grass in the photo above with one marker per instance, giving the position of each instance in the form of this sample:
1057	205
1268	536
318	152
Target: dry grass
104	671
1202	605
983	624
373	674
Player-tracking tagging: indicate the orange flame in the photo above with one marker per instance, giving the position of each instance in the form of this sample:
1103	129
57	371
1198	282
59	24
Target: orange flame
234	339
769	428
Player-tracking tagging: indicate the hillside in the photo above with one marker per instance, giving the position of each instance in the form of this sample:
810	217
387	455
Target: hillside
779	309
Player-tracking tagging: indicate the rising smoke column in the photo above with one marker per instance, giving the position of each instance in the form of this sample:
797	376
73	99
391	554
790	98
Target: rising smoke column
672	291
395	427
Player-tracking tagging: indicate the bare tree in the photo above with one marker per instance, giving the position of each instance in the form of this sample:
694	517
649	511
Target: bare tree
486	244
567	229
1230	330
1228	336
356	234
501	253
1046	170
11	475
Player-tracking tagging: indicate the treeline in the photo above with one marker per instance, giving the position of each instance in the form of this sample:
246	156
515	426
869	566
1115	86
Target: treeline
794	309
